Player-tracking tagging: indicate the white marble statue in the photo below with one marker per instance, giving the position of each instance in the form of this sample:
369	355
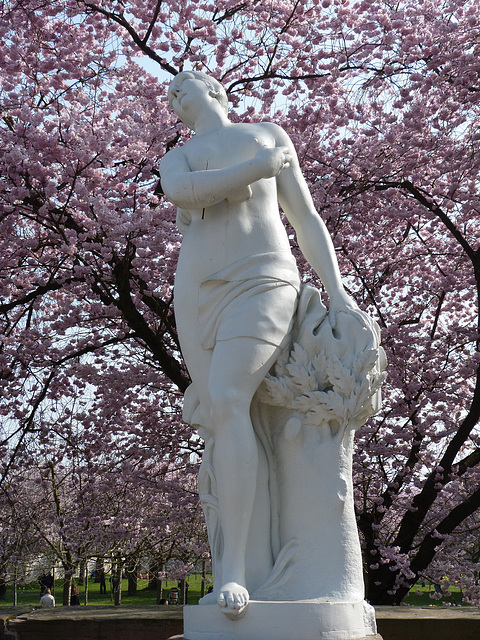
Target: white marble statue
266	360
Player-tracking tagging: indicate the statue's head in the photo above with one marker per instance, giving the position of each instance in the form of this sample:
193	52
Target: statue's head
214	88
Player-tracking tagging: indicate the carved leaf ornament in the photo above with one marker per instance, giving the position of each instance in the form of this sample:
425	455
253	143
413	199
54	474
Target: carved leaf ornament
331	375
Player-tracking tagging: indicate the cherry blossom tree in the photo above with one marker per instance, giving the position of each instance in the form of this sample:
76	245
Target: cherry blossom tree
20	545
78	504
382	102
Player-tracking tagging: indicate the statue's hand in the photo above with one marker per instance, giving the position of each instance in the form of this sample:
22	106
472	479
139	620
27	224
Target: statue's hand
272	160
341	301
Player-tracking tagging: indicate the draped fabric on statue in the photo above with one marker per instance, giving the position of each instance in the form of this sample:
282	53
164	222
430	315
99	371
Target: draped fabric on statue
247	288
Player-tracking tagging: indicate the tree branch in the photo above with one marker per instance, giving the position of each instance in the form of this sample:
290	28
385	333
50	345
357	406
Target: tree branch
439	476
170	366
152	22
143	46
428	547
430	204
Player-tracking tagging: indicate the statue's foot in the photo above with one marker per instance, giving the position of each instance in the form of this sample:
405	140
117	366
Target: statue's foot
232	599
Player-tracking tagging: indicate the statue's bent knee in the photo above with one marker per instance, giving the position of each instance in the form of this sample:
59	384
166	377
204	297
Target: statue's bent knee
228	408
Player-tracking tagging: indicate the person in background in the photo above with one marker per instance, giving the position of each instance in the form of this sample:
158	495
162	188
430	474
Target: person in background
41	582
47	600
103	585
48	581
74	596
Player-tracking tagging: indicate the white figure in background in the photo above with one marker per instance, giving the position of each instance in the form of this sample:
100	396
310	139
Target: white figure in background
237	284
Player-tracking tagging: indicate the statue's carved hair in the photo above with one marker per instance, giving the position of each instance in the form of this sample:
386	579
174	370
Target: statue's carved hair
216	89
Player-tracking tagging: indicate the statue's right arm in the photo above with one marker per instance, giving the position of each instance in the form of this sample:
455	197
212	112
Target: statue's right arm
200	189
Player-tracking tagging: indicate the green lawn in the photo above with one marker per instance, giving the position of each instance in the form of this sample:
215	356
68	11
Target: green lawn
419	596
29	595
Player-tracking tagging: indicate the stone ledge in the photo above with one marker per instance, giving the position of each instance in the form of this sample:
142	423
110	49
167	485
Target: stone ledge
161	623
9	613
427	613
152	612
428	623
97	623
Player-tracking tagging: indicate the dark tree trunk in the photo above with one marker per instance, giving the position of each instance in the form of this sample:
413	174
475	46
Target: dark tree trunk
153	570
82	572
117	582
182	589
159	590
378	594
202	586
67	587
132	579
99	567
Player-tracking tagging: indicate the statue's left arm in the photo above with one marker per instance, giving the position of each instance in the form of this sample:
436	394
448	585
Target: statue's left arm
312	234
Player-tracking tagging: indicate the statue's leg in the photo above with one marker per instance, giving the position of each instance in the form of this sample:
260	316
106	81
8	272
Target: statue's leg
237	368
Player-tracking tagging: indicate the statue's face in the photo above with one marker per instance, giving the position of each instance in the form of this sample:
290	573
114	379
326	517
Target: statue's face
189	95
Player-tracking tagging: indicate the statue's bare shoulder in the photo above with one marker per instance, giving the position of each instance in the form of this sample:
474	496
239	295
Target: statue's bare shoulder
279	135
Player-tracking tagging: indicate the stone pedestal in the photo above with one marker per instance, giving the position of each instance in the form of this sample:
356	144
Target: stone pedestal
299	620
375	637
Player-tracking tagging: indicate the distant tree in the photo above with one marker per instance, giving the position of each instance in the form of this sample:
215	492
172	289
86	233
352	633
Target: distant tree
20	544
109	504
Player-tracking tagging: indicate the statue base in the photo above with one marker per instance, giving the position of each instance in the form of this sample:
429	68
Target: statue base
286	620
375	637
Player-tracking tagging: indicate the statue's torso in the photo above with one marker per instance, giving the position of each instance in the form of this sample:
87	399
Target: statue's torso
239	226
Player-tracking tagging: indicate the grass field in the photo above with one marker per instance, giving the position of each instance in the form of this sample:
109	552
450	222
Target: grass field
29	595
420	596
